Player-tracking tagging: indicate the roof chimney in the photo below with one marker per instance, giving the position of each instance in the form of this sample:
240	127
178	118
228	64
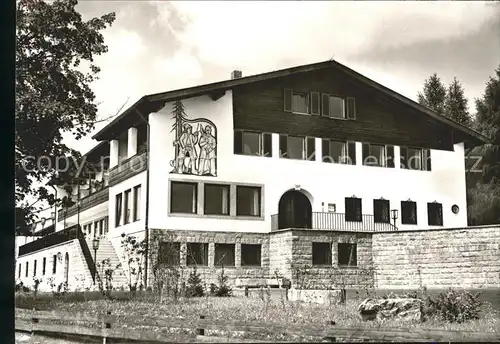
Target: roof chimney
236	74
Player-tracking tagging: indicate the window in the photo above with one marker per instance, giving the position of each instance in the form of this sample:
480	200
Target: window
183	198
435	214
251	254
19	271
105	225
27	267
197	254
381	211
322	253
216	199
54	263
353	209
137	203
224	255
34	268
101	227
296	147
44	262
416	158
128	207
339	152
300	102
408	213
347	254
338	107
169	253
252	143
122	147
118	210
248	201
378	155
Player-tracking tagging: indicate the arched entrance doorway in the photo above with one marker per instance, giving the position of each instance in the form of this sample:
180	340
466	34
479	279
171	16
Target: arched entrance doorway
294	210
66	268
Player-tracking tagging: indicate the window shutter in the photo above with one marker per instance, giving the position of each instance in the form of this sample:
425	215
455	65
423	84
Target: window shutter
351	151
366	151
351	108
283	146
325	105
238	142
403	155
427	160
268	144
287	100
315	103
390	156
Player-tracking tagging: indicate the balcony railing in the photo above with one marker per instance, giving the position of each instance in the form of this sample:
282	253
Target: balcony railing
87	202
333	221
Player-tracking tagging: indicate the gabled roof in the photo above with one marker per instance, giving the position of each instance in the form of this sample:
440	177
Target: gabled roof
154	102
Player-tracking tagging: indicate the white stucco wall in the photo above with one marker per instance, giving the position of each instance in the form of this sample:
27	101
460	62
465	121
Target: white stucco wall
326	183
78	272
132	227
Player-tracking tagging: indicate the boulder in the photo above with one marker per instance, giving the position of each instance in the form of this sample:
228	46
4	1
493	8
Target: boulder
401	308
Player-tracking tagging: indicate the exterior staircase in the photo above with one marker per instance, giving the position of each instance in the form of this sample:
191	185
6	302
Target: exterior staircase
105	251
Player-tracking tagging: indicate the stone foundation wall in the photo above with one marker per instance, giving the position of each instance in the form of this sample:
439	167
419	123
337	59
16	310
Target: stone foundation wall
307	276
437	259
238	275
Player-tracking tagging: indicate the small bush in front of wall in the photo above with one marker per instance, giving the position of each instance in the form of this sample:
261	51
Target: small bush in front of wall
194	287
21	287
213	288
455	307
223	289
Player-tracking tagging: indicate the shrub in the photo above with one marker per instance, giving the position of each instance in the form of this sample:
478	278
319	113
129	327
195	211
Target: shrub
223	289
195	287
454	306
21	287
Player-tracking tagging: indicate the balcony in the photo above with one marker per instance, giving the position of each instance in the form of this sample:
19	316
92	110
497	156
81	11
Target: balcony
128	168
333	222
87	202
50	240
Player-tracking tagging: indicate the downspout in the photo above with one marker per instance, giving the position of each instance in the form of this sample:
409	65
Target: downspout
146	216
55	209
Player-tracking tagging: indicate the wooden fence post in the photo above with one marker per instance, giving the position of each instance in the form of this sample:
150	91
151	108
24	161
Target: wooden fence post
105	325
200	331
34	321
331	339
246	291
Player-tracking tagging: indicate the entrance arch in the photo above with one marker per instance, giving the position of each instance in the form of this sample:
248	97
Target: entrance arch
294	210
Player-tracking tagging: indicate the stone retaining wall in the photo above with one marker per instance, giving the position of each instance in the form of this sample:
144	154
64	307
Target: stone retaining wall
465	257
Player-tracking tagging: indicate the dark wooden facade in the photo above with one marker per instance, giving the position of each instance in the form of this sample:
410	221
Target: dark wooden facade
380	119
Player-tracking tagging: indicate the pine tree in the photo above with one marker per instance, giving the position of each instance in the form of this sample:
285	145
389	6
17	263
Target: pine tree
223	289
195	287
433	95
488	118
456	104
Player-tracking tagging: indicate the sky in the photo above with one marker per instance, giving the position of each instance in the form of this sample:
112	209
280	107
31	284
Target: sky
160	46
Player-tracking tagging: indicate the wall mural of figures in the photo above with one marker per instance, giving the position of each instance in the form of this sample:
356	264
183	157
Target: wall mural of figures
195	151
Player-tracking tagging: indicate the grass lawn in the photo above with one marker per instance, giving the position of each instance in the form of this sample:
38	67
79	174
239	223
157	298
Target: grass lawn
277	311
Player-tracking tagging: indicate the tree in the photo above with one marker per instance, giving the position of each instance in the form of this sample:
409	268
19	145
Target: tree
53	95
488	120
433	95
484	194
456	104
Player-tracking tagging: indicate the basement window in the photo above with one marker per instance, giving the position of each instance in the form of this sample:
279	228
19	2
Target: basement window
27	267
169	253
322	253
250	255
347	254
54	263
197	254
44	262
224	254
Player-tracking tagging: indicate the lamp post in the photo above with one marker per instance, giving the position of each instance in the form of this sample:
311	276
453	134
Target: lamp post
394	213
95	246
